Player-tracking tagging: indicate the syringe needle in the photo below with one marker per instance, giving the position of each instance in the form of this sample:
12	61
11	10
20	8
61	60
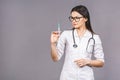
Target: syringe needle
59	28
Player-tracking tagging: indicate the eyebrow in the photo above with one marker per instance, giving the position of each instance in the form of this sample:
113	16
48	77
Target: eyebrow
76	16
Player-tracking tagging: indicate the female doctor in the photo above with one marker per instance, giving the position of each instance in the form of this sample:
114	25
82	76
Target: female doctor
78	44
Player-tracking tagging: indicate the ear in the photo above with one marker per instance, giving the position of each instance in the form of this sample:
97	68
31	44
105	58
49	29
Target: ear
86	19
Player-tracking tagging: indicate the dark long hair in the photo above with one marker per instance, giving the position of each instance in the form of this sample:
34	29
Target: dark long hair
84	12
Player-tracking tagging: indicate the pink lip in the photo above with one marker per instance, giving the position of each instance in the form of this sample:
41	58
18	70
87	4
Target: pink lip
74	24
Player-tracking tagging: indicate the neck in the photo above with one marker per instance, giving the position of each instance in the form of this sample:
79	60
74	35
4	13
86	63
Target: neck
81	31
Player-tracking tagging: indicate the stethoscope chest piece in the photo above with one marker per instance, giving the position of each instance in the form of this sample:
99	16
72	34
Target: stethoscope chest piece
75	45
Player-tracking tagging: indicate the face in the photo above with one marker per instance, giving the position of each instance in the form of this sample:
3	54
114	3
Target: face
77	20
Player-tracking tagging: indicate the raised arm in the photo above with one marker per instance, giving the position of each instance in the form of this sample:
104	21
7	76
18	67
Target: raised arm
54	38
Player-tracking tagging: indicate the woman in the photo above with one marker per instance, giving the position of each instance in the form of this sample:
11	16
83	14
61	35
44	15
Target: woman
78	44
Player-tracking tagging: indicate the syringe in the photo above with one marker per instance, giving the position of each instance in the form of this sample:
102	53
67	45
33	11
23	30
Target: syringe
58	28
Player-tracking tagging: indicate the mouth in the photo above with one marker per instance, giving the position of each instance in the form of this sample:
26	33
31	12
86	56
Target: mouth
74	24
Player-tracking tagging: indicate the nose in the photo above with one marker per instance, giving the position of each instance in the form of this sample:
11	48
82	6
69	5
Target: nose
73	21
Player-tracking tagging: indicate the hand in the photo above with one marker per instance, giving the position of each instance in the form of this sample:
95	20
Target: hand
82	62
54	36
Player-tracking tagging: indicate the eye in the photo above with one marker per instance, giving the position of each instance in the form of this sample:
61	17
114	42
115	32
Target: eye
78	17
75	18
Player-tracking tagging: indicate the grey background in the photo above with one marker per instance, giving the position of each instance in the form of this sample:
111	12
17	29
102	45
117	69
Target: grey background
25	27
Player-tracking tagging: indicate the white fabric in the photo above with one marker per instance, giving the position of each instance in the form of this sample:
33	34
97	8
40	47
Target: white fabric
65	43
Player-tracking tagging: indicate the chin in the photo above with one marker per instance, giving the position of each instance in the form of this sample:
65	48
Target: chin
76	27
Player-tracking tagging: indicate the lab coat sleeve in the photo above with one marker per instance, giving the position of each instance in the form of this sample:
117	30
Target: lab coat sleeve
98	49
61	44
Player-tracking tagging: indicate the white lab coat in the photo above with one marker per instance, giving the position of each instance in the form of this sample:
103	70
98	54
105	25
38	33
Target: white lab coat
70	70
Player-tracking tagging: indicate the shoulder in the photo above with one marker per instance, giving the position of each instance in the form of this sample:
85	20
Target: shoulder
97	38
66	32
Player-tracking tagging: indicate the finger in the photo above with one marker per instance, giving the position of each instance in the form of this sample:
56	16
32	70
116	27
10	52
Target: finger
55	32
78	60
80	65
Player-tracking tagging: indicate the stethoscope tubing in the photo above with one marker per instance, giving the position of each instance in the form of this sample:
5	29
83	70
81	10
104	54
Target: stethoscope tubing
75	45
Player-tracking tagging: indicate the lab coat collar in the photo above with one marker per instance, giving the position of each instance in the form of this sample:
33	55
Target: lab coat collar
86	34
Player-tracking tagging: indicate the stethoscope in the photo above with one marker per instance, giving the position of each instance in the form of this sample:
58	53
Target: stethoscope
75	45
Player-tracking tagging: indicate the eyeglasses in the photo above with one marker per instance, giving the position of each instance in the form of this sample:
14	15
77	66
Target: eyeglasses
77	19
